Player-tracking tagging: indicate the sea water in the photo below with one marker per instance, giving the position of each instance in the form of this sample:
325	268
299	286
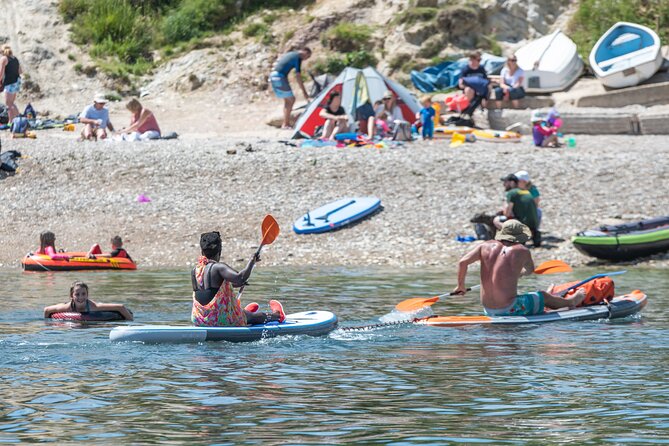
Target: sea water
596	382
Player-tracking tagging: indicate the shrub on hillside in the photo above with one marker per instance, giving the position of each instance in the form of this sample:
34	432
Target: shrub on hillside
193	18
414	15
335	64
347	37
115	29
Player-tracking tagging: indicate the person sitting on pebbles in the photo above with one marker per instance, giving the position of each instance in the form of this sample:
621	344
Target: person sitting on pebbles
80	303
214	301
503	261
143	124
95	118
336	119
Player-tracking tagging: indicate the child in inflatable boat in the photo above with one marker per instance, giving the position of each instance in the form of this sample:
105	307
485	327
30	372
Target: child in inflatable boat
47	242
80	303
117	250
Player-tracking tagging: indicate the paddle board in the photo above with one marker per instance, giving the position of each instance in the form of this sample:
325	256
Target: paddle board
619	307
336	214
312	323
496	136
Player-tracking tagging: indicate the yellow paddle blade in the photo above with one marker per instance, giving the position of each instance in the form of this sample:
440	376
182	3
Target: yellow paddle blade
415	304
270	230
553	267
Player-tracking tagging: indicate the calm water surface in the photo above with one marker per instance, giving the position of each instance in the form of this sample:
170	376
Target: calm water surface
578	383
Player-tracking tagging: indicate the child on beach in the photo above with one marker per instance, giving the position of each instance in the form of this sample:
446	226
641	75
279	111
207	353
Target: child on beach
426	117
525	183
47	242
80	303
117	250
544	134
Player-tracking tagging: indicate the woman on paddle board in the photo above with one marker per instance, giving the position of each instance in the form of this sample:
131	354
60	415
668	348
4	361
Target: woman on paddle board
503	261
214	301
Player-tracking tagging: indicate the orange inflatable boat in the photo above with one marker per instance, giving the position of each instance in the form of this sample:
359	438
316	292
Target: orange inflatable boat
77	262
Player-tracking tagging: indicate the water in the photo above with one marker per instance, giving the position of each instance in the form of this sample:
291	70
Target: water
579	382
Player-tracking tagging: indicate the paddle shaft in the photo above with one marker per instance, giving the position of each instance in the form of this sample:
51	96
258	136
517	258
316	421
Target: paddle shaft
596	276
475	287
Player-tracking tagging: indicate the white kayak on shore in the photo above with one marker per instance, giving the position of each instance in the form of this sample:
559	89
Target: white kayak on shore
626	55
312	323
551	63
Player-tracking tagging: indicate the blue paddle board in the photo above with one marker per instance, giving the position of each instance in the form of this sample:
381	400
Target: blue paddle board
312	323
336	214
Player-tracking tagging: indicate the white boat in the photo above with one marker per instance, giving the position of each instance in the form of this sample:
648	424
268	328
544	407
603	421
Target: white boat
626	55
551	63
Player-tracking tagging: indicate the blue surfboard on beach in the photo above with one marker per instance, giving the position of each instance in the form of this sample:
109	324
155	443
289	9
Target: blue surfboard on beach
336	214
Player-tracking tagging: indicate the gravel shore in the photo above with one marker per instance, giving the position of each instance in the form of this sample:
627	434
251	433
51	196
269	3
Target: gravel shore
86	193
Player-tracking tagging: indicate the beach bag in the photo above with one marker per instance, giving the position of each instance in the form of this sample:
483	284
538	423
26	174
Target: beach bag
402	131
4	114
596	291
19	125
7	161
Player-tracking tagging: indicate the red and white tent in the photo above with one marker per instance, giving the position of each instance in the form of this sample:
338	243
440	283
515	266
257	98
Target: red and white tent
354	84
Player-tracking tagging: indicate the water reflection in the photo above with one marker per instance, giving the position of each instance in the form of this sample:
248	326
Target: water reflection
581	383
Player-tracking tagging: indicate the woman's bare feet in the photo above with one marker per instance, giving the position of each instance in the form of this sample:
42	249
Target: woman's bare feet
577	298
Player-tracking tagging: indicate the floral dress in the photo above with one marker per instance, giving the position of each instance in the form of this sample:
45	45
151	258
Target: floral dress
224	310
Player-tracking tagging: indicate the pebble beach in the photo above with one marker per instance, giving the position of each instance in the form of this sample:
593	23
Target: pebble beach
87	192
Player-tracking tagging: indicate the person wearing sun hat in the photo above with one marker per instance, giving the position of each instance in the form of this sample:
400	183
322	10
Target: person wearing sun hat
503	261
95	117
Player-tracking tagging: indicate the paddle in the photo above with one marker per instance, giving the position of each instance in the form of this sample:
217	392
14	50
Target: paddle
596	276
270	231
416	303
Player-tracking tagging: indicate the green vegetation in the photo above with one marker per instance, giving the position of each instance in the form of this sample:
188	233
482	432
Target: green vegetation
594	17
417	14
335	63
347	37
123	34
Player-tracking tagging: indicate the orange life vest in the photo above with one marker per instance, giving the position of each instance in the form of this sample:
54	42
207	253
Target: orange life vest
596	291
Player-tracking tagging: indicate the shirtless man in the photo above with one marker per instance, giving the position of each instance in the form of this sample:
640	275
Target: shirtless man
503	261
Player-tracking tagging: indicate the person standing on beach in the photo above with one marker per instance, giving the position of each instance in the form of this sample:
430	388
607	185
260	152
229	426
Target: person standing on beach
278	78
10	80
96	119
503	261
519	205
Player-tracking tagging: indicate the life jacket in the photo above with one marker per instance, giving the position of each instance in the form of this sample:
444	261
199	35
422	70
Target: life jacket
596	291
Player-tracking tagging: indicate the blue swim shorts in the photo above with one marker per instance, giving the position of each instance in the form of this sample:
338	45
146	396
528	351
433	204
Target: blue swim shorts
280	85
13	88
526	304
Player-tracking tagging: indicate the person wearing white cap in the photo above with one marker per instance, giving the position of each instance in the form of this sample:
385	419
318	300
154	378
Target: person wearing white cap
95	117
525	183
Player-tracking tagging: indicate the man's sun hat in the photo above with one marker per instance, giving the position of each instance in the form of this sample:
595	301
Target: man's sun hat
100	99
522	175
513	231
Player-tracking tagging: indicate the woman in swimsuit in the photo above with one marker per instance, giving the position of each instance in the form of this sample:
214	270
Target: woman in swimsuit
80	303
214	301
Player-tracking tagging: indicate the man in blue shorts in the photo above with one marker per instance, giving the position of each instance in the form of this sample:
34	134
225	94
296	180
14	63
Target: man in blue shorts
503	261
278	79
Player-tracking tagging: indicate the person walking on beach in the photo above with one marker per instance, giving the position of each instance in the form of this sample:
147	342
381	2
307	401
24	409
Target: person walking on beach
503	261
214	301
278	78
10	80
96	119
520	205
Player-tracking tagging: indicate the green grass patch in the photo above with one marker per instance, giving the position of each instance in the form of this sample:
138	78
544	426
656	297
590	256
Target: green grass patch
413	15
347	37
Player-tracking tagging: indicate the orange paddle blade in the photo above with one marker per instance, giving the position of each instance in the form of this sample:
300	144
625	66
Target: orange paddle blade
553	267
270	230
415	304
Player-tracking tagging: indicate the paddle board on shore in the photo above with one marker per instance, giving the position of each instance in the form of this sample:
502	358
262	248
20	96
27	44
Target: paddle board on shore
336	214
312	323
619	307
